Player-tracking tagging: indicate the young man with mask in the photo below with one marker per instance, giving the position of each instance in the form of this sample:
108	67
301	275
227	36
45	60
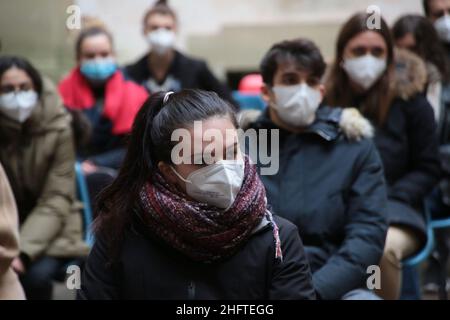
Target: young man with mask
164	68
330	182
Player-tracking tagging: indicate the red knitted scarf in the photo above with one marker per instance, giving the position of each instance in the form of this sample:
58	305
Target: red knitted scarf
200	231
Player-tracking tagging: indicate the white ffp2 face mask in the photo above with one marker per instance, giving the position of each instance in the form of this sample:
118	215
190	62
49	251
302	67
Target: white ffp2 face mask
18	106
442	26
161	40
297	105
365	70
217	184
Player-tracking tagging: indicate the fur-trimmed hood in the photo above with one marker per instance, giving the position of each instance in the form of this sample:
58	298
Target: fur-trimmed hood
411	74
329	123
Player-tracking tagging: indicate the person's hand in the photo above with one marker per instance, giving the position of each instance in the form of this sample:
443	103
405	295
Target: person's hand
88	167
18	266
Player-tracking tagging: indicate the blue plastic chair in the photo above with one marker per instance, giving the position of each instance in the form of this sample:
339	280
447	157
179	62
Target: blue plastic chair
411	280
249	101
83	193
441	223
410	265
443	260
427	249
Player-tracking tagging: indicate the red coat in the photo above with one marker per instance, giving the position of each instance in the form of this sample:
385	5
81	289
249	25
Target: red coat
123	98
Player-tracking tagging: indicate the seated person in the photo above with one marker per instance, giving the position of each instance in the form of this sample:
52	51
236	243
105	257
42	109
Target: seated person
97	90
37	153
330	180
196	229
164	68
385	86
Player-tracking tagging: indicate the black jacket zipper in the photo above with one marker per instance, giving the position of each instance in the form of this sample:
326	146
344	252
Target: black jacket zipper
191	290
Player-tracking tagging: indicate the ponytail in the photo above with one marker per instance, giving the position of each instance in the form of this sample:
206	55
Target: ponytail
149	143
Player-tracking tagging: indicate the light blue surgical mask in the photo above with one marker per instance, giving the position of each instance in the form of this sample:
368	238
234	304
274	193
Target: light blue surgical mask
98	69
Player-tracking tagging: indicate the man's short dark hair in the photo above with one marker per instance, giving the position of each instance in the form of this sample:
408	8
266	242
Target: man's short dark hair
303	52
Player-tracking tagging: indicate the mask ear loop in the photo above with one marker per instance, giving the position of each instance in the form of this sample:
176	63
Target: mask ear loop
179	175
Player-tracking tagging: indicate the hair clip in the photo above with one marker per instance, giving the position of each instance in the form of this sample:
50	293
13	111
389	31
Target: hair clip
166	97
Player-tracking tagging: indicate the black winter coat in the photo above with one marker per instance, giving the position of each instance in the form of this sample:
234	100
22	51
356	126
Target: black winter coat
184	73
333	190
149	269
408	145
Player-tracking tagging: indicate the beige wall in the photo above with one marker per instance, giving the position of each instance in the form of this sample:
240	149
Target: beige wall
36	30
230	34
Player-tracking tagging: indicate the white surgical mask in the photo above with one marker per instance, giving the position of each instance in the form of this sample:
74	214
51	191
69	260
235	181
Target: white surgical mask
365	70
217	184
18	106
442	26
297	105
161	40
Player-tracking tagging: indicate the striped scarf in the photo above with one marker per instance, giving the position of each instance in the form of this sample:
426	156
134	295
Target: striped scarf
203	232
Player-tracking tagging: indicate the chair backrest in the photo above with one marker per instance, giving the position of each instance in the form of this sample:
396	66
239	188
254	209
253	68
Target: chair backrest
83	194
429	246
440	223
249	101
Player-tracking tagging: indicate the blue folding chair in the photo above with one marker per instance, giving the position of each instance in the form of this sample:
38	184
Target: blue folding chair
427	249
83	193
249	101
443	260
411	289
411	280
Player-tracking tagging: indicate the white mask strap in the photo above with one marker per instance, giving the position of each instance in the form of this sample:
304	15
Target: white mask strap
179	175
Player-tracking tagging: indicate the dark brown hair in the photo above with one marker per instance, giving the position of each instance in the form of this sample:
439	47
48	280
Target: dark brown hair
428	45
90	32
303	52
377	100
161	7
150	142
8	62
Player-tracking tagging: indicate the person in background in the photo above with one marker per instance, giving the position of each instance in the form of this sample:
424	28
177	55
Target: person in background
438	12
417	34
164	68
37	153
10	288
366	74
330	180
171	228
97	93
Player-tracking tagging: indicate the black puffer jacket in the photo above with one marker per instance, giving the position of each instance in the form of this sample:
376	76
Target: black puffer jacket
149	269
408	146
184	73
333	190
